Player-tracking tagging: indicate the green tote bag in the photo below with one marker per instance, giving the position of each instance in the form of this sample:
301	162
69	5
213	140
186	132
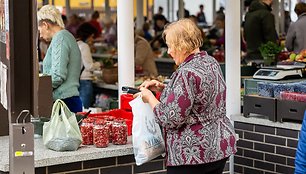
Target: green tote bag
62	132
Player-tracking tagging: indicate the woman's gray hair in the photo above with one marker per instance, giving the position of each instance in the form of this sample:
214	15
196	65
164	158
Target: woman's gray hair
50	13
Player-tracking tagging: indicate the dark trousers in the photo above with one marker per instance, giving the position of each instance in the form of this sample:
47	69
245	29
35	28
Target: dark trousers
208	168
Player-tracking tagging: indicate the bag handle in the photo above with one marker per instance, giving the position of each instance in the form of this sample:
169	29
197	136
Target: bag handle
58	105
55	108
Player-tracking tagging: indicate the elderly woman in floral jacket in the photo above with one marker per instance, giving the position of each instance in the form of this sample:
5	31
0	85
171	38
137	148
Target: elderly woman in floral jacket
199	137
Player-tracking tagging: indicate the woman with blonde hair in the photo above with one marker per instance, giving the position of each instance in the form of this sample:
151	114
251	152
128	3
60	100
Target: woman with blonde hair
63	58
199	137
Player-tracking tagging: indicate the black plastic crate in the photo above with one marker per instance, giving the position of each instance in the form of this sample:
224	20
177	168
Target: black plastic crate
290	110
259	105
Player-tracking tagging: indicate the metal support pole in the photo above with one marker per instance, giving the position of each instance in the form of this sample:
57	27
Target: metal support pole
67	8
181	9
107	9
139	18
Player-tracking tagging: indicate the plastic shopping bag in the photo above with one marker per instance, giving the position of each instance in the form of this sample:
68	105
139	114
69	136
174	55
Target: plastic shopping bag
148	142
62	132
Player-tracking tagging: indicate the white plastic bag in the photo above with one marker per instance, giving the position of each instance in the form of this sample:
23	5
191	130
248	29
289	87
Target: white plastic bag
62	132
148	142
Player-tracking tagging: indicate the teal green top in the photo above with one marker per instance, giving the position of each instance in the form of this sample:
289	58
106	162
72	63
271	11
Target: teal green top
63	63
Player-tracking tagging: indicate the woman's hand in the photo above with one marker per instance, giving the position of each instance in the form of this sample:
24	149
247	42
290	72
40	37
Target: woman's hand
148	97
152	85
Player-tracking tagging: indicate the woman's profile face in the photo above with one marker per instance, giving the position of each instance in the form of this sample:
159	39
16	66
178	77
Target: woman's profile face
44	32
177	56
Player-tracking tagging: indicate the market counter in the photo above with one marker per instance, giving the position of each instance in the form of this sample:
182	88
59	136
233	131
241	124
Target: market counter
87	159
263	147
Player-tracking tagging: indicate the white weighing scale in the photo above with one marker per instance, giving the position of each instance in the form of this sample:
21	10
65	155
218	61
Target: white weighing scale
279	72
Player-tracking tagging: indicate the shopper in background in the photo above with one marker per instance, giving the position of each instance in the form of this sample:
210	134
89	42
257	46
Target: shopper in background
287	20
158	17
296	38
144	56
300	157
63	58
201	16
95	23
191	110
110	32
85	35
73	24
259	28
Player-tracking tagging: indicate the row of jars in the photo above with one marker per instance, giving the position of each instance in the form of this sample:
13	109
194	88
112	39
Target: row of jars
102	131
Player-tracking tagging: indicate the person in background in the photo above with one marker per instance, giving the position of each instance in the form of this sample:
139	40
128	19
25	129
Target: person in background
220	11
186	12
287	20
296	38
73	24
144	56
110	32
65	20
159	22
158	17
85	35
220	26
300	157
63	58
199	136
259	28
201	15
95	23
146	31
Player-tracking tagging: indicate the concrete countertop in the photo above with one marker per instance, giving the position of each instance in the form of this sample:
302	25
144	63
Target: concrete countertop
45	157
262	120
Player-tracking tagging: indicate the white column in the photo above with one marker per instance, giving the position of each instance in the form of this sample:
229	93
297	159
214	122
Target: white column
125	30
140	18
232	62
107	10
181	9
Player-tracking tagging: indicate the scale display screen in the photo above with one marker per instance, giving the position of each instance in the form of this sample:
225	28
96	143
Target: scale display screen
267	73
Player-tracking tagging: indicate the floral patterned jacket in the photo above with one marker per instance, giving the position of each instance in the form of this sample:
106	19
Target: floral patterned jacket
192	113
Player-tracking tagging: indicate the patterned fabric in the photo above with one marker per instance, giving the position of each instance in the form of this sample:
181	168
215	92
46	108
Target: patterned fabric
192	113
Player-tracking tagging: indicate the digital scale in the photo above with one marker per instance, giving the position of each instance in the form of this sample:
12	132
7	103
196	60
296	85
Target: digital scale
280	72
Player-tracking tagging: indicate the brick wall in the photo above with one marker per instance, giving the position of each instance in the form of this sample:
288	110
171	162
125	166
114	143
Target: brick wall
115	165
264	149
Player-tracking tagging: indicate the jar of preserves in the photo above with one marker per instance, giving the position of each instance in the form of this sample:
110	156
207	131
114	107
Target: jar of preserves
86	129
119	132
101	133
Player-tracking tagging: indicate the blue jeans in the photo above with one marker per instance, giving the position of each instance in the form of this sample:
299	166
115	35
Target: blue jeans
74	104
86	92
